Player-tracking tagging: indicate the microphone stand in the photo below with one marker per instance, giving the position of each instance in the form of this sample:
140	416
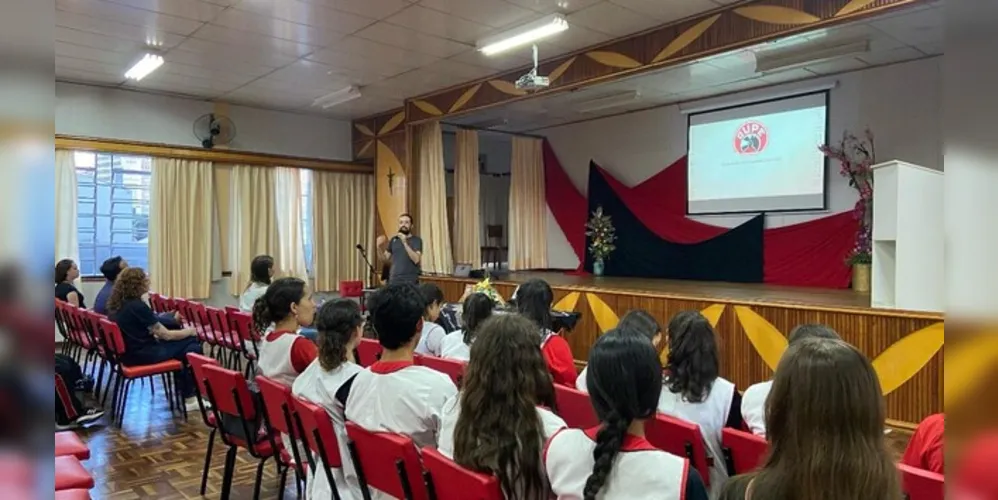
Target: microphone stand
374	275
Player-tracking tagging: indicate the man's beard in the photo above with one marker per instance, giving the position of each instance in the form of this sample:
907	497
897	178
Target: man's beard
405	230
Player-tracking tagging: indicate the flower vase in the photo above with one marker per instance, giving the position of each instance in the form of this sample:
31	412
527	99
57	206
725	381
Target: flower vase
861	277
598	267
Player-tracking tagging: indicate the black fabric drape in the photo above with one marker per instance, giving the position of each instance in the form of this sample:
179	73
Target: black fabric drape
735	256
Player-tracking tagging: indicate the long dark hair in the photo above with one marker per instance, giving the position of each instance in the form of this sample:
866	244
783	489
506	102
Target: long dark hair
825	421
260	270
62	270
693	364
642	322
624	380
275	304
498	430
533	301
476	309
337	322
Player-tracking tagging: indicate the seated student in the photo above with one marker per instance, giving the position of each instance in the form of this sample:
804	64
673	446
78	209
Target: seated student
533	301
694	392
477	308
825	417
285	307
615	461
393	394
111	268
147	341
339	324
754	398
638	320
261	273
432	334
499	422
925	449
66	271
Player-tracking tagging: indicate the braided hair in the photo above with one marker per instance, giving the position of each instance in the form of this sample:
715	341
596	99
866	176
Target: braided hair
624	380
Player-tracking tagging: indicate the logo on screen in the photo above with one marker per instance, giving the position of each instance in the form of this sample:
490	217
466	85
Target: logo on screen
752	138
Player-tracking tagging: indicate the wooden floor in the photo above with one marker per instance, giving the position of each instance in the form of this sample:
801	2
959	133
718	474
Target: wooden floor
706	290
156	455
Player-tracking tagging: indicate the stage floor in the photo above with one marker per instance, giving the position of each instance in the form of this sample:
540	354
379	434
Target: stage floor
702	290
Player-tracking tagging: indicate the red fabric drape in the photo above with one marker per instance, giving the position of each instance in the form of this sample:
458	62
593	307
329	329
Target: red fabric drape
811	253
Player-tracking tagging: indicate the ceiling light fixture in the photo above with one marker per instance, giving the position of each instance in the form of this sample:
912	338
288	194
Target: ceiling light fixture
146	65
336	98
523	35
784	59
607	102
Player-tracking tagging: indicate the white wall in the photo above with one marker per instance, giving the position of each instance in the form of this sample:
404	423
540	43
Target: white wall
900	103
107	113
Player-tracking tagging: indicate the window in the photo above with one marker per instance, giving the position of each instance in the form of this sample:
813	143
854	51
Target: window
112	209
306	217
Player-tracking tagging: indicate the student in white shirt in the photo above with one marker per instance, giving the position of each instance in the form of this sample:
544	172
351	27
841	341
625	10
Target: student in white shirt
477	308
432	334
394	395
614	461
754	398
499	422
261	273
340	325
694	392
286	306
637	320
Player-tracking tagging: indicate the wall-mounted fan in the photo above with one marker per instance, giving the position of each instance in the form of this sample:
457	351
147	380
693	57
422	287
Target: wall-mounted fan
214	130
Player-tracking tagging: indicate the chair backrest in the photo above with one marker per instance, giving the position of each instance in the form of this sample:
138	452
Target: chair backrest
388	462
575	408
918	484
112	337
681	438
351	288
368	352
743	451
185	309
155	302
453	482
242	324
197	363
276	404
229	393
450	367
219	321
317	429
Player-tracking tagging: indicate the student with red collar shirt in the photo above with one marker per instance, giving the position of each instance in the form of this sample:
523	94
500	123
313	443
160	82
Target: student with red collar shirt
533	300
286	306
614	461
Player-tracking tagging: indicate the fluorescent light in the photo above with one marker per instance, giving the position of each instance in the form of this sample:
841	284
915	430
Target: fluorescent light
782	59
146	65
339	97
607	102
522	35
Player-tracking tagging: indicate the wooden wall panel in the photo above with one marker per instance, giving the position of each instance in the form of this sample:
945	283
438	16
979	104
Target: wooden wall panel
872	331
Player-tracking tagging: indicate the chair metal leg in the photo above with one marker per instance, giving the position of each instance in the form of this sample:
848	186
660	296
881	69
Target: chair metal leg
100	378
207	460
230	465
115	394
124	401
283	472
259	478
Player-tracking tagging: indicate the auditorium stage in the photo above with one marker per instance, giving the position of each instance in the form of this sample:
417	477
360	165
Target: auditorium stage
752	321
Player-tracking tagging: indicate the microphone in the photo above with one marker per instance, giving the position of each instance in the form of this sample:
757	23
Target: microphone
360	247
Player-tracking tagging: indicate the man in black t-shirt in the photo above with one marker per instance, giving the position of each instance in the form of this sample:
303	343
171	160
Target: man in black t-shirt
404	251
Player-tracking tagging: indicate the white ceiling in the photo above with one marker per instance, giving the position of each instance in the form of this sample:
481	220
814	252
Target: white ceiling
283	54
910	34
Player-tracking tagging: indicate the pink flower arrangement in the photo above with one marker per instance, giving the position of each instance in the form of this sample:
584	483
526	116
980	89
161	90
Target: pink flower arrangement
856	157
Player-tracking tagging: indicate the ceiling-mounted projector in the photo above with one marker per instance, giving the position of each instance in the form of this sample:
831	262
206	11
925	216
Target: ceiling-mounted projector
532	81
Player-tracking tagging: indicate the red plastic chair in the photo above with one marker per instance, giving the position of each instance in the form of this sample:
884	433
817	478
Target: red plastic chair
225	337
743	451
449	481
575	408
680	438
388	462
127	374
918	484
277	410
197	363
67	443
156	302
368	352
78	494
241	323
450	367
353	289
229	394
316	427
93	321
70	474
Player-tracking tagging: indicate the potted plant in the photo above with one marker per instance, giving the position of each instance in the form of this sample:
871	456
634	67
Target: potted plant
856	157
601	235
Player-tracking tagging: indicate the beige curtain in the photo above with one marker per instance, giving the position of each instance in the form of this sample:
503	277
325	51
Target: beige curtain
67	245
290	257
527	207
343	216
180	227
253	220
432	226
467	234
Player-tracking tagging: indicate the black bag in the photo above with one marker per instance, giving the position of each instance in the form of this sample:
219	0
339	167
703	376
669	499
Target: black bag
234	425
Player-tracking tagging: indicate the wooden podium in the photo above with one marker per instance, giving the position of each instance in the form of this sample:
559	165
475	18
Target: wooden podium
907	237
